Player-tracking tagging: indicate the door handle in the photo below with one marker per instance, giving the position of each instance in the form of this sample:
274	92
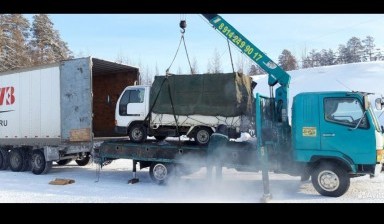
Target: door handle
328	135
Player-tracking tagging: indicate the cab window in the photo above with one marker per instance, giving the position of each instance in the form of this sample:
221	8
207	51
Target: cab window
130	96
345	111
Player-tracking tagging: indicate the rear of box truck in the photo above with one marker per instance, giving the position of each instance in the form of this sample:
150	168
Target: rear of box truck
55	112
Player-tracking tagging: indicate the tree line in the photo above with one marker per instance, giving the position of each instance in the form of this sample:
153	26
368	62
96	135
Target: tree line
355	50
23	44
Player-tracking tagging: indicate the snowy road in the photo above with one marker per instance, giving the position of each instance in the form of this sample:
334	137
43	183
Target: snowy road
243	187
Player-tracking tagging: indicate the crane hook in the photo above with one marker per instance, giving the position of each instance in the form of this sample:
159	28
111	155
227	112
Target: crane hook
183	25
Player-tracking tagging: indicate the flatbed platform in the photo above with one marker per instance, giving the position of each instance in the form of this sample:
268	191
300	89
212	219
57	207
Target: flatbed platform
172	151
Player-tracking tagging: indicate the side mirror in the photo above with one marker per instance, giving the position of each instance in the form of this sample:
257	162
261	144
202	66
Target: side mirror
379	103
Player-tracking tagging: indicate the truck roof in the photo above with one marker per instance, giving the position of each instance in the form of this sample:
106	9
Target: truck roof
99	66
331	93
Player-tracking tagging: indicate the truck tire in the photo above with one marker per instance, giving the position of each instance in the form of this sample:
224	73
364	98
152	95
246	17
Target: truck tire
160	172
27	164
202	135
4	159
137	133
84	161
16	159
64	162
39	164
330	180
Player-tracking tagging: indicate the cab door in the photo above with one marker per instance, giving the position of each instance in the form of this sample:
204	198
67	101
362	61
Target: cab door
132	106
345	128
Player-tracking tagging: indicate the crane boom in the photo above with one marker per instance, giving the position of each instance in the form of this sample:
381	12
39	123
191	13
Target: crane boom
275	73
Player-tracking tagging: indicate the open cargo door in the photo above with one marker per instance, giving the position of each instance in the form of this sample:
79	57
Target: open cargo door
109	79
90	88
76	100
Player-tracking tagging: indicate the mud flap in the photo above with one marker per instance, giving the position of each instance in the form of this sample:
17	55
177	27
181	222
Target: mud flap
51	153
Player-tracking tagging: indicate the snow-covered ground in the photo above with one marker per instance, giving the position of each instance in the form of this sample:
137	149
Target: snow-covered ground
236	186
112	186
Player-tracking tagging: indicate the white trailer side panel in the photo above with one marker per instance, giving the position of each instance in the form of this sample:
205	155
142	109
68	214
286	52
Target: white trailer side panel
50	103
30	105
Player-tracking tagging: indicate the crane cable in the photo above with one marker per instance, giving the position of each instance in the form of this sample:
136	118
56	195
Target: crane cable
230	55
183	25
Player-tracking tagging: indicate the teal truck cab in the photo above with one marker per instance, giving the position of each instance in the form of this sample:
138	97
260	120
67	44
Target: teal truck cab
334	136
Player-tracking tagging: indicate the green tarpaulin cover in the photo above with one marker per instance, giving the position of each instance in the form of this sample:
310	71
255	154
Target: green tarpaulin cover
227	95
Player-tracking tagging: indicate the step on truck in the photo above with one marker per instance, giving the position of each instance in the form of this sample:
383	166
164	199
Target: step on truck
332	137
58	112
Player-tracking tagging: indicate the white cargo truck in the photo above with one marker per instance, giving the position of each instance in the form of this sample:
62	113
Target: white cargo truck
191	105
58	112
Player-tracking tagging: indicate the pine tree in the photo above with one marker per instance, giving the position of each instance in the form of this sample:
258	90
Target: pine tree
315	58
255	70
355	48
369	46
46	44
306	62
379	56
344	55
13	41
330	57
287	61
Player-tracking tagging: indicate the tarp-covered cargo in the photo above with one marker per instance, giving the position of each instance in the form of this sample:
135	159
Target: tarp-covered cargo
227	95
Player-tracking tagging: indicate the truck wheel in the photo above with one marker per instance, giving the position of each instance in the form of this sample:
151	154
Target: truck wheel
160	172
330	180
137	133
160	138
4	159
39	164
202	135
84	161
63	162
26	160
16	159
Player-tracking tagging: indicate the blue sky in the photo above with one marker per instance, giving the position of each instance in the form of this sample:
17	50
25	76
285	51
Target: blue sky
152	39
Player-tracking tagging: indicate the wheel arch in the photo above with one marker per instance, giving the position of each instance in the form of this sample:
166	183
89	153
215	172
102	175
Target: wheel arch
133	123
194	129
345	163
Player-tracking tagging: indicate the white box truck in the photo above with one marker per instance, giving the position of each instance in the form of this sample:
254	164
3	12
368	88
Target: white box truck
191	105
58	112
